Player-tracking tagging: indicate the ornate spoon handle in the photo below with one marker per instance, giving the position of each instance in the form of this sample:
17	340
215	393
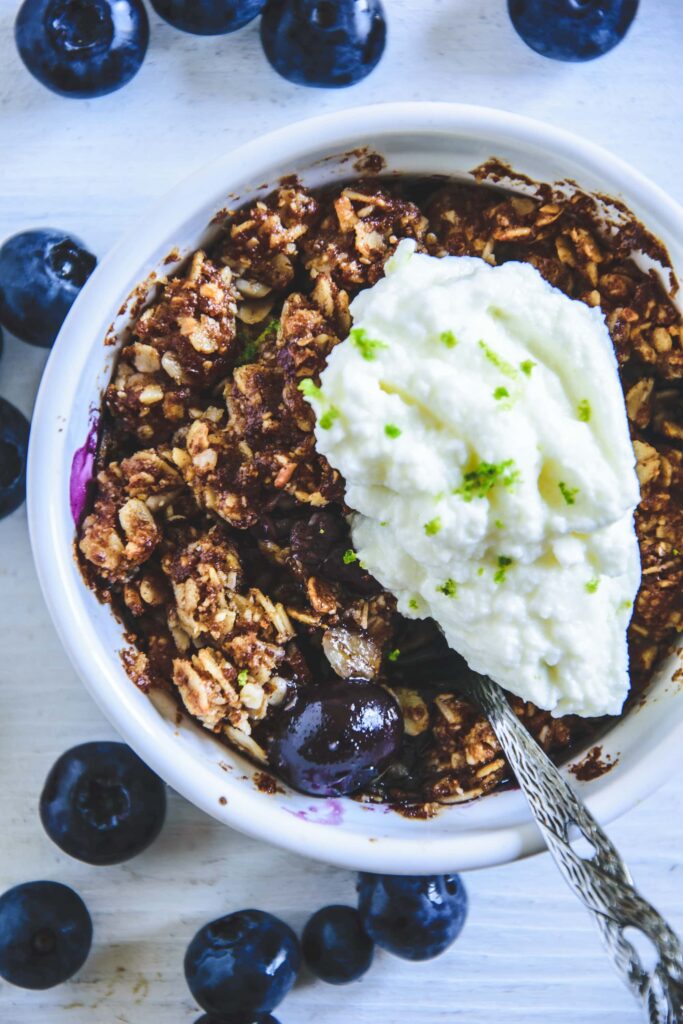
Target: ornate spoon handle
601	880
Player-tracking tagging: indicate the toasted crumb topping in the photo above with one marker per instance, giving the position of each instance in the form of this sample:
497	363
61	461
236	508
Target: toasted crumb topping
220	535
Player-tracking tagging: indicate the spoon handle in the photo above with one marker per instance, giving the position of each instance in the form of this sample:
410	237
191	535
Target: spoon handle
601	880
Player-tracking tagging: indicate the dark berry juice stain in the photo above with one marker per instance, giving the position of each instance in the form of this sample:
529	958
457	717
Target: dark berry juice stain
82	472
417	812
368	162
265	783
593	765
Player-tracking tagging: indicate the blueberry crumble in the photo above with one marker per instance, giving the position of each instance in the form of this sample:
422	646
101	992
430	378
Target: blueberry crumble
219	533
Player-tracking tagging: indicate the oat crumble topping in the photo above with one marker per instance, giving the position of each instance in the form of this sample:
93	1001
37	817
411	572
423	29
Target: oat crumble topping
217	532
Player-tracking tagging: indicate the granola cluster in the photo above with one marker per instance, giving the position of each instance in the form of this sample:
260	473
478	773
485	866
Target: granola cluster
219	534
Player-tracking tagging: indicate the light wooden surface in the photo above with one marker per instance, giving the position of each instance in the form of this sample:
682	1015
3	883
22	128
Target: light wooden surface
528	955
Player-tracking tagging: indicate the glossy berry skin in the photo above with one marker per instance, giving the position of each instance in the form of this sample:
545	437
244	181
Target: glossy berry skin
82	48
240	967
208	17
101	804
414	917
41	273
335	945
262	1019
328	43
572	30
340	739
14	432
45	934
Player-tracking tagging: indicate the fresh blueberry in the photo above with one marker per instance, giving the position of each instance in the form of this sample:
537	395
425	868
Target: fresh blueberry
82	48
45	934
208	17
41	273
336	946
14	431
338	740
414	917
329	43
241	966
572	29
261	1019
102	804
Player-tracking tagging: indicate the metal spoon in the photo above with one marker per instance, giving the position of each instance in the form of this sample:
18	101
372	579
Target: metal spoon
601	881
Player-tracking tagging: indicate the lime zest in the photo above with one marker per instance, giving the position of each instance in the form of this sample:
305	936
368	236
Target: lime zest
478	482
583	410
449	588
251	349
507	369
349	556
433	526
504	562
328	417
309	389
367	346
568	493
392	431
448	339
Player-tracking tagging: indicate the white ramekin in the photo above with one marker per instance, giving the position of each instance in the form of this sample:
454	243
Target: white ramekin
416	138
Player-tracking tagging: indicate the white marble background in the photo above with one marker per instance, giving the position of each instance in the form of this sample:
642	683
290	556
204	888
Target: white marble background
528	954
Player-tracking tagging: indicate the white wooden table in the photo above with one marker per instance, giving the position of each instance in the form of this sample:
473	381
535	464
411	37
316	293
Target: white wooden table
528	955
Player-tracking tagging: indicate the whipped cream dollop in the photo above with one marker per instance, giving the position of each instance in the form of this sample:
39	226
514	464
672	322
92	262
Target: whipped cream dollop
476	415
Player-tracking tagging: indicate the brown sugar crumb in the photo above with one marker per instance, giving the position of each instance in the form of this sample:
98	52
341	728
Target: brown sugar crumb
136	665
265	783
418	812
367	162
190	333
593	765
359	230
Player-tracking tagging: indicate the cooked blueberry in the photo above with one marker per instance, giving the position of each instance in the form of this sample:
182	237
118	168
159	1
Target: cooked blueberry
320	545
82	48
41	273
572	29
337	740
102	804
312	539
45	934
14	431
330	43
208	17
414	917
336	946
241	966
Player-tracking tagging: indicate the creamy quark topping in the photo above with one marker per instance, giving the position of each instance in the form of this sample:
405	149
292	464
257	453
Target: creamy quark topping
476	415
